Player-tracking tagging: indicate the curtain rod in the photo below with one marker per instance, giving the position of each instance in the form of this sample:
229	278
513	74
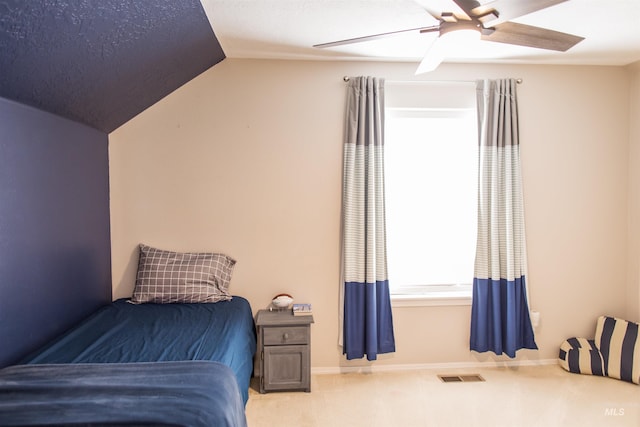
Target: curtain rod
347	78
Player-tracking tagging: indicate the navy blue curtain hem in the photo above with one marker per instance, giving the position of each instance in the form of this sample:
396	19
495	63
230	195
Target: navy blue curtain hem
500	320
368	322
511	354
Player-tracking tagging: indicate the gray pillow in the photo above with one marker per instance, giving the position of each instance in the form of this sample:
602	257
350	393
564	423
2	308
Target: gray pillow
171	277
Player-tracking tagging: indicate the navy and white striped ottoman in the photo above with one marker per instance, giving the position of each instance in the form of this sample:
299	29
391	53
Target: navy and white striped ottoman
581	356
614	352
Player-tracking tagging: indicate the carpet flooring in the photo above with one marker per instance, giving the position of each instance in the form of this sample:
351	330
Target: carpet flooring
510	396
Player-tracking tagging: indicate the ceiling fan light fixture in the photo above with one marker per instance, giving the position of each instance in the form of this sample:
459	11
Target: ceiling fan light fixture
459	35
453	37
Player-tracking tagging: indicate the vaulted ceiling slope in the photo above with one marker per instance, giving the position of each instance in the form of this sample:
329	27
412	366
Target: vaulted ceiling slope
101	62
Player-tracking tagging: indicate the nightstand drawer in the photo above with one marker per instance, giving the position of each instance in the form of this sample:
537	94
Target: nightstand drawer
286	335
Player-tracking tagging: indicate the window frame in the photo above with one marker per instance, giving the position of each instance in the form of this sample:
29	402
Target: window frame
434	294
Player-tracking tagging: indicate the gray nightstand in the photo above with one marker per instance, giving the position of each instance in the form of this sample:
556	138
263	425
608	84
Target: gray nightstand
284	351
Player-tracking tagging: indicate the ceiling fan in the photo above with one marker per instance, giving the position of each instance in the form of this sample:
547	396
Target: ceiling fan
485	21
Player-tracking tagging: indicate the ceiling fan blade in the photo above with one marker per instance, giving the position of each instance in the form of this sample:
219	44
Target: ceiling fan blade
428	7
509	9
530	36
432	58
468	6
377	36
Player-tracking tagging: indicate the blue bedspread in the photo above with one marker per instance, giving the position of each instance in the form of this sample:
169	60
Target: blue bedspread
192	393
123	333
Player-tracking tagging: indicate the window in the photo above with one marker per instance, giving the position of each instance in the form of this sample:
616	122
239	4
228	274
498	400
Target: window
431	197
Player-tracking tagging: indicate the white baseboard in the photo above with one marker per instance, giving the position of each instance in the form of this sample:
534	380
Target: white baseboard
430	366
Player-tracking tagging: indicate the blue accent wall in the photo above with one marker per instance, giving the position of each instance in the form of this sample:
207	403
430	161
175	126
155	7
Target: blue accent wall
55	256
71	71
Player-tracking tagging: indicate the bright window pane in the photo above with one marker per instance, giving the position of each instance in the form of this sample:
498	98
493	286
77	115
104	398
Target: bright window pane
431	185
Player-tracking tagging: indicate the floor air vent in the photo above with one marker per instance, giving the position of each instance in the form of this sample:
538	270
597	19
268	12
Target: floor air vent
472	378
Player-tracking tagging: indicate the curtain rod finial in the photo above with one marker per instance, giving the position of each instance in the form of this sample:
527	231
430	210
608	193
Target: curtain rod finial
345	78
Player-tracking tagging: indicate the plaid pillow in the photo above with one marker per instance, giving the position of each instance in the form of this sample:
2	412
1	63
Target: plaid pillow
170	277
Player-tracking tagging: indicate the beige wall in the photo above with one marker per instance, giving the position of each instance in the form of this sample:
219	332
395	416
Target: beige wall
633	286
246	159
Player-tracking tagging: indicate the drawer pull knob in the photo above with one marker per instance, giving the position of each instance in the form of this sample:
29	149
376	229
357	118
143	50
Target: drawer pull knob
285	336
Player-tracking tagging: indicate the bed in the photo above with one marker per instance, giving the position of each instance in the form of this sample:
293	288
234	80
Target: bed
192	393
152	359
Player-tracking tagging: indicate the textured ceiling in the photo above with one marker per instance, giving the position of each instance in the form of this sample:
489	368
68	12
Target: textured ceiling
101	62
288	29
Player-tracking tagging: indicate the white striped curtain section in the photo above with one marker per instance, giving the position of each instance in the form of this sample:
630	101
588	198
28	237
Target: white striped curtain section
499	313
367	325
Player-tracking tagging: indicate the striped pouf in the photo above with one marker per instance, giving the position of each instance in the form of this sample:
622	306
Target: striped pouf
619	345
581	356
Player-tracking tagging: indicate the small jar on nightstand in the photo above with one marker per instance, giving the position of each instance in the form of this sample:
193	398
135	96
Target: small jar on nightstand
284	351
